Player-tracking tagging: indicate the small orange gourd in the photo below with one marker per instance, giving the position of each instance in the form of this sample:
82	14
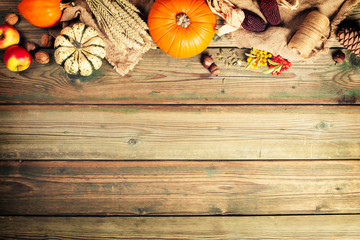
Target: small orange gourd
181	28
42	13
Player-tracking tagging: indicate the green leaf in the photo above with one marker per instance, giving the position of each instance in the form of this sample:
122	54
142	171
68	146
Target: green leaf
273	63
273	69
268	71
250	63
249	55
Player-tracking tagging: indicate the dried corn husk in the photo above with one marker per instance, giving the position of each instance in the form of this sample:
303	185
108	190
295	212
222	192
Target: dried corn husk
232	15
286	3
122	24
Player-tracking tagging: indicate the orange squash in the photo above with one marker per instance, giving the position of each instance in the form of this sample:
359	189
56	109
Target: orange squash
42	13
181	28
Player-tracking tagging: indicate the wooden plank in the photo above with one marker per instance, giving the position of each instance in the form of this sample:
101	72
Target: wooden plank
186	81
179	187
179	132
195	228
173	81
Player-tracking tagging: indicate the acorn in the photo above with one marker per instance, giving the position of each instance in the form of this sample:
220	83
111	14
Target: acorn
207	61
339	57
214	69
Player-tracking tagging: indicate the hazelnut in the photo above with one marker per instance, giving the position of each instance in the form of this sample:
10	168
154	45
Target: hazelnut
30	46
214	69
11	19
47	40
207	61
42	57
339	57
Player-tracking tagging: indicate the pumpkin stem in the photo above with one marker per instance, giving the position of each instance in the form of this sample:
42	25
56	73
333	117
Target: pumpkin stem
66	5
182	20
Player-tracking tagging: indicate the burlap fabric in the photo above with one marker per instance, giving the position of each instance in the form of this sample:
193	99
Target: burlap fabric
123	60
274	39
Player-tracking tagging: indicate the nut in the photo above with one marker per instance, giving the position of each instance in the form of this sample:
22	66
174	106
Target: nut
47	40
339	57
42	57
207	61
30	46
11	19
214	69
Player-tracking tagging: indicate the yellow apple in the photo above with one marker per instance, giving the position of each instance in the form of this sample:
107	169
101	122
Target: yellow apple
8	36
17	58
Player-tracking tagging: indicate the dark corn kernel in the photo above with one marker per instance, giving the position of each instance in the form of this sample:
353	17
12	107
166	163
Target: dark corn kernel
253	22
270	9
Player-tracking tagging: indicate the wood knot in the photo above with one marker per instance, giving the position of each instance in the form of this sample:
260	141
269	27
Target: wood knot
347	99
132	141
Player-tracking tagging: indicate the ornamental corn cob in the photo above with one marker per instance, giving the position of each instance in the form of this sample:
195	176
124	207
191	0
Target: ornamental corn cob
253	22
270	9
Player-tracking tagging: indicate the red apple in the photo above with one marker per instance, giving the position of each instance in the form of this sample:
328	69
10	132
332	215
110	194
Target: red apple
17	58
8	36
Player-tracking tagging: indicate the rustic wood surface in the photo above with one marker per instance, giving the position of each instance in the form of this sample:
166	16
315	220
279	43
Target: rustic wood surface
179	132
182	81
192	228
179	187
186	81
170	152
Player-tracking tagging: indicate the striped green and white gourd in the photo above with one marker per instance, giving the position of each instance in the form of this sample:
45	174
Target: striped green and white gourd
79	49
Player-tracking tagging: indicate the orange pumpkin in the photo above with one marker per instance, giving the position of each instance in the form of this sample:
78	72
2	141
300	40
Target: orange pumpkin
42	13
181	28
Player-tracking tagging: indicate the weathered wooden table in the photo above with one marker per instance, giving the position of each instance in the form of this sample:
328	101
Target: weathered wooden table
169	152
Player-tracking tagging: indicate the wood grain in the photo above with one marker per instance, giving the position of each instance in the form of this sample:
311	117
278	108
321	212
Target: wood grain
269	127
179	187
194	228
179	132
186	81
180	81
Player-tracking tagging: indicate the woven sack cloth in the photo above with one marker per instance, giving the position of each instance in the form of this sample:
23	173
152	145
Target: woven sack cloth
123	60
275	38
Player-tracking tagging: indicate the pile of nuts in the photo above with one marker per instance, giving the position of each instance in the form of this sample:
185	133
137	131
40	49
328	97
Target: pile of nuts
47	41
209	63
230	59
